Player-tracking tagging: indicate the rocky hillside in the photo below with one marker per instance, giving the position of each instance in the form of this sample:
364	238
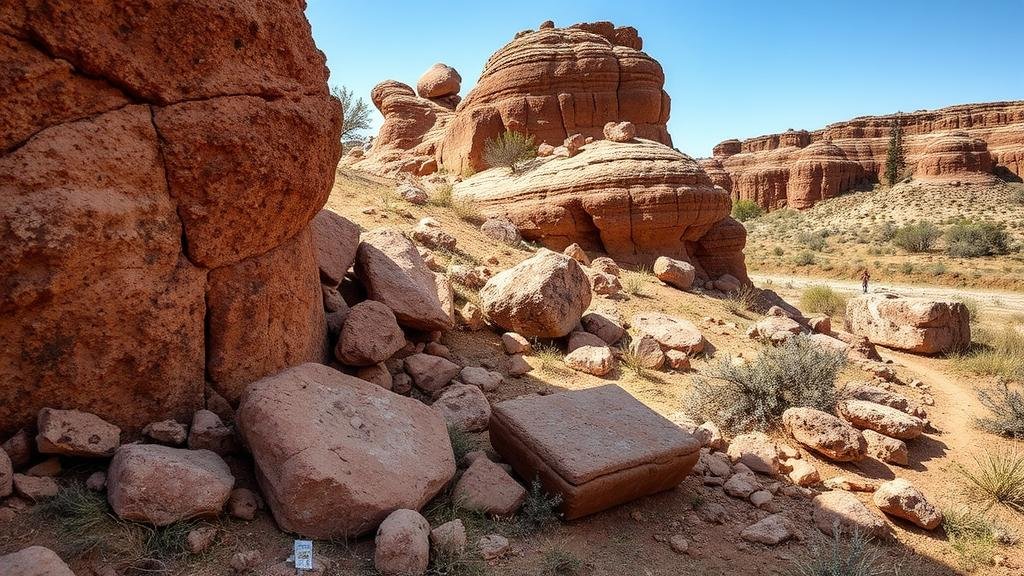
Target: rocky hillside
839	237
797	168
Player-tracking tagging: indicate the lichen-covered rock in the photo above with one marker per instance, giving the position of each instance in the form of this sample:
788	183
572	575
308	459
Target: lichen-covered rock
543	297
913	324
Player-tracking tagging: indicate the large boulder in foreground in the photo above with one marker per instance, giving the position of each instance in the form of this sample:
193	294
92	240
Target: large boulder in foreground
161	485
543	296
916	325
395	275
34	561
335	455
597	448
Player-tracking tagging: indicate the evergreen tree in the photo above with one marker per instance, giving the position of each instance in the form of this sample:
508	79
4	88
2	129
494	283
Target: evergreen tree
895	161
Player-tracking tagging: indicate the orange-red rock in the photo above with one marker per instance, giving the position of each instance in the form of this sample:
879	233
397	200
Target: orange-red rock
265	314
533	85
969	142
635	201
143	145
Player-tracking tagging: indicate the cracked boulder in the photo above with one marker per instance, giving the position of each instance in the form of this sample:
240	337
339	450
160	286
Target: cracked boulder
148	182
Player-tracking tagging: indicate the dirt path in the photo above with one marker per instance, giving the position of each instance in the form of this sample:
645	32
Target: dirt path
991	299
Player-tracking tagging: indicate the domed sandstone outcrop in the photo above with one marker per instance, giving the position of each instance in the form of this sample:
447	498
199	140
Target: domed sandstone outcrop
147	181
636	201
955	155
533	85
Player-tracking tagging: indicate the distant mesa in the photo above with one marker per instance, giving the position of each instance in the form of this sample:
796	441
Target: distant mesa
967	143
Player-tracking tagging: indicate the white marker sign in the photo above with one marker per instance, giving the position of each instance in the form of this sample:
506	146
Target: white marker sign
303	554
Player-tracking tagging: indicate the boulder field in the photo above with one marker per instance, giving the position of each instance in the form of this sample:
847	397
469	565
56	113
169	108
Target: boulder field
797	168
156	191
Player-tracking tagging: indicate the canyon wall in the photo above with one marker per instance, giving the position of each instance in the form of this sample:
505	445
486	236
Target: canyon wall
797	168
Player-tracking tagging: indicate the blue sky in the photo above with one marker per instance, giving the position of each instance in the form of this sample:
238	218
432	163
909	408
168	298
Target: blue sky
733	69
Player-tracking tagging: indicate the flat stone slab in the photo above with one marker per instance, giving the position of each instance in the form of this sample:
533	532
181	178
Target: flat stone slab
598	447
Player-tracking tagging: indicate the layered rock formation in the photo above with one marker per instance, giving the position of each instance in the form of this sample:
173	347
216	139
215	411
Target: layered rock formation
555	82
971	142
636	201
550	83
155	192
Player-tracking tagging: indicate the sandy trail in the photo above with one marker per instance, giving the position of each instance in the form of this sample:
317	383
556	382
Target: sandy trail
991	299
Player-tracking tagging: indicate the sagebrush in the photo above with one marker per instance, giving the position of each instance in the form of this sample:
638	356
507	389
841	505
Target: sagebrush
746	396
509	150
917	237
975	239
822	300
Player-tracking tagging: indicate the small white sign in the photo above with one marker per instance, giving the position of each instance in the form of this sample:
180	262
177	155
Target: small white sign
303	554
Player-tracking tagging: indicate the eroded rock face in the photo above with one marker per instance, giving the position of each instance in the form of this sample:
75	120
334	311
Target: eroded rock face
799	168
133	165
335	455
532	85
912	324
635	201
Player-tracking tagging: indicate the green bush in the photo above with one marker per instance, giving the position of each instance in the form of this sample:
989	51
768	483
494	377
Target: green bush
973	239
754	395
917	237
509	150
804	258
1007	407
842	555
814	240
744	210
822	300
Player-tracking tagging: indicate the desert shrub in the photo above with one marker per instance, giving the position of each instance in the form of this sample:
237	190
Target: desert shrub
87	525
842	555
936	269
631	362
558	562
462	442
1007	408
467	212
549	357
995	478
883	232
822	300
754	395
804	258
907	267
509	150
778	251
744	210
743	299
635	283
813	240
539	509
441	196
971	536
994	353
974	239
1017	197
918	237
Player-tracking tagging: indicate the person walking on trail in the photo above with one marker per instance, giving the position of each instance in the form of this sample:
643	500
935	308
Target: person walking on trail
864	277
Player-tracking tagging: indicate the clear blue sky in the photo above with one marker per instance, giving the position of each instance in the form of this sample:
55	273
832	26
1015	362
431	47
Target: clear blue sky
733	69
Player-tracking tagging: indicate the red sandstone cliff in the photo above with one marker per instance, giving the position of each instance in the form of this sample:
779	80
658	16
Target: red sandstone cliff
797	168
